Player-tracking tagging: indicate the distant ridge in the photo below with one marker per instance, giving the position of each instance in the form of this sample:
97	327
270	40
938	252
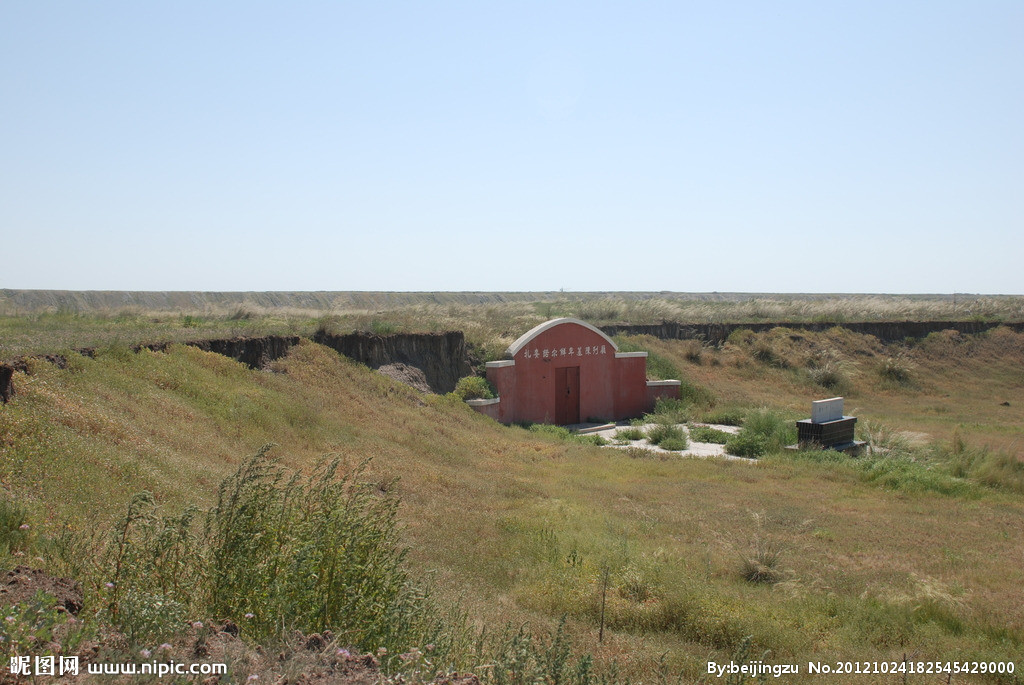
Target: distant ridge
13	301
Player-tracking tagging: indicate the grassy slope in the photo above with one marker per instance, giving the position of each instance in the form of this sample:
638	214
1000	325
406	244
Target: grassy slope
519	526
956	382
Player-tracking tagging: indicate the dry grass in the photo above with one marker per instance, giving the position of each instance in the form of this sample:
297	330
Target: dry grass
518	525
47	321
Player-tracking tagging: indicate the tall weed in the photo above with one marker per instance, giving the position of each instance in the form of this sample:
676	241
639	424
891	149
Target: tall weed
284	551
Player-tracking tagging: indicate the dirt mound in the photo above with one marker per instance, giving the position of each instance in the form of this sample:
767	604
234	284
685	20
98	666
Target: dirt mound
410	375
23	583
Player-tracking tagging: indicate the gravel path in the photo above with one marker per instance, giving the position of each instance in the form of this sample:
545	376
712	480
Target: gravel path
696	449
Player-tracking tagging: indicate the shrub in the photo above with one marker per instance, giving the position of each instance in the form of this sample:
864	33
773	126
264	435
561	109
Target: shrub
692	351
829	376
896	369
662	432
741	337
631	433
829	370
749	445
763	431
674	444
669	410
776	429
147	619
708	434
761	564
766	354
330	324
474	388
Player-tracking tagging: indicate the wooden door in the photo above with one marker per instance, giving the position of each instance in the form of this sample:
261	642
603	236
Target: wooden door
567	395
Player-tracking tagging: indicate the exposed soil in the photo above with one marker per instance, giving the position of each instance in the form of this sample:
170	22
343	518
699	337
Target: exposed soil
256	353
410	375
23	583
442	357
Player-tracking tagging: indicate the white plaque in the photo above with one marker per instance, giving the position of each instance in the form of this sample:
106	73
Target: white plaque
827	410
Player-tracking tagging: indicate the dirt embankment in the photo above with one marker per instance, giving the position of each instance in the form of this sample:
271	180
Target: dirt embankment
256	353
432	362
885	331
442	357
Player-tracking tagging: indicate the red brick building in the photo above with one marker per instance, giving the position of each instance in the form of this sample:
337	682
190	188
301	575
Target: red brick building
566	371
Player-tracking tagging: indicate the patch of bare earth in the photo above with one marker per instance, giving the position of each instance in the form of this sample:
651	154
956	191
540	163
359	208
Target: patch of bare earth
316	659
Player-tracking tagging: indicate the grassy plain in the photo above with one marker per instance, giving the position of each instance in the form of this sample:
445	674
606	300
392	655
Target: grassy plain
44	321
871	562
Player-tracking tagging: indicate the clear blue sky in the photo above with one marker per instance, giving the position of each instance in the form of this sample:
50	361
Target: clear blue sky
736	146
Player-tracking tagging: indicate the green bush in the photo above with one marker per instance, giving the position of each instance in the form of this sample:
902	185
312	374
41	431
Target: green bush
632	433
775	428
674	444
763	431
708	434
669	410
662	432
749	445
474	388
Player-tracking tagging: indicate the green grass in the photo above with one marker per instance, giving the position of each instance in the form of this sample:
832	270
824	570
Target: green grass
565	434
708	434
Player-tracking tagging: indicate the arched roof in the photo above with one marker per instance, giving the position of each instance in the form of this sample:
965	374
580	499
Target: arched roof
529	335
